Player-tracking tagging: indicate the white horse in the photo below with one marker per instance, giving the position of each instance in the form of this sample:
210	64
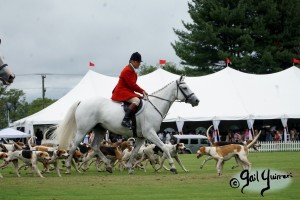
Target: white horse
102	114
6	75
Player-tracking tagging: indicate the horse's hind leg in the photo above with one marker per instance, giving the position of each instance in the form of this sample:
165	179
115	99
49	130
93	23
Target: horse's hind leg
99	133
78	138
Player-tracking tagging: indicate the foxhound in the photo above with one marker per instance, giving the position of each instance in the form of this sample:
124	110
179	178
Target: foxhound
152	151
30	158
224	153
222	143
2	156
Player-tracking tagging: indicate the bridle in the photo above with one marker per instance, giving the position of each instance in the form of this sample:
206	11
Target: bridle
187	97
5	86
2	66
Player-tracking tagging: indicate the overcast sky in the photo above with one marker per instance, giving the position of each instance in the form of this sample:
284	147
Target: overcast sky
62	36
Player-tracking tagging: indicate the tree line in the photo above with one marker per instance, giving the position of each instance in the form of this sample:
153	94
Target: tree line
13	105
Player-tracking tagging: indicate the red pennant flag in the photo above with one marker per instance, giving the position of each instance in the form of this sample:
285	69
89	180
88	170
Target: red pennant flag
92	64
162	62
227	61
296	61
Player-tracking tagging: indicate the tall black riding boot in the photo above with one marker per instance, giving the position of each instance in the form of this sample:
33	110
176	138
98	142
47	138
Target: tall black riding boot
126	121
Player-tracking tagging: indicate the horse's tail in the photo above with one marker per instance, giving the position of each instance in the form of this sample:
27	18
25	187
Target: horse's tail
66	130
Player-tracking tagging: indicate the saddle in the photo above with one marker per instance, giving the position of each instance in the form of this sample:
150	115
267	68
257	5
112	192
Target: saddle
126	105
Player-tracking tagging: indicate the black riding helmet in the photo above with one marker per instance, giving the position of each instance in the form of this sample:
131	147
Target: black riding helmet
136	57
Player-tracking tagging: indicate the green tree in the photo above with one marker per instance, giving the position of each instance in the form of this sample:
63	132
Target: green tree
172	68
12	104
39	104
144	69
169	66
257	36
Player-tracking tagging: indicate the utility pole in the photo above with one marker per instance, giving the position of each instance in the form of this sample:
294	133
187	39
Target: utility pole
43	88
9	107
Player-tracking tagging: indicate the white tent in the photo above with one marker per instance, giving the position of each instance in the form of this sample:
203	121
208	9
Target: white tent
92	84
12	133
233	95
226	95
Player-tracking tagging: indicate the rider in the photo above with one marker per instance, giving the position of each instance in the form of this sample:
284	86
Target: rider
126	88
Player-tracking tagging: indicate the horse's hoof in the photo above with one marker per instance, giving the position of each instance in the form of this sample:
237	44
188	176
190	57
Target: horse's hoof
109	169
130	171
174	170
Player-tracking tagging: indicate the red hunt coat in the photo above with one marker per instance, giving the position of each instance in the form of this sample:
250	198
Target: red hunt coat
126	87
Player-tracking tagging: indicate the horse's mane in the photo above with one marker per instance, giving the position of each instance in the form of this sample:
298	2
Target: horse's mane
162	88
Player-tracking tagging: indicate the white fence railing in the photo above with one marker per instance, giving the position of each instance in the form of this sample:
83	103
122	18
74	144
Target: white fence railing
278	146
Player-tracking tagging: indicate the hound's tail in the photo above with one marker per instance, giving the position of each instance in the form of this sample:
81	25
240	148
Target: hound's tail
66	130
30	142
254	140
207	135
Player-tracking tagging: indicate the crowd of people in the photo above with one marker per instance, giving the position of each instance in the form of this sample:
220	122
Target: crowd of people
239	135
266	135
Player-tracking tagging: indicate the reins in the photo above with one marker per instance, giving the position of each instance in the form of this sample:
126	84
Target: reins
155	106
170	102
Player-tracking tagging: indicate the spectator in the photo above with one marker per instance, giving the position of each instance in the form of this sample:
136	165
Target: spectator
229	136
39	136
161	136
246	135
86	139
277	136
255	132
91	137
237	137
269	136
293	134
168	137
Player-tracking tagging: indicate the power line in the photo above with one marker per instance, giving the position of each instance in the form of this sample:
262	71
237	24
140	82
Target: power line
50	74
55	88
43	76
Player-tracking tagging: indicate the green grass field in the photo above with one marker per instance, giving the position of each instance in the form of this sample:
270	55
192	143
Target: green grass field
196	184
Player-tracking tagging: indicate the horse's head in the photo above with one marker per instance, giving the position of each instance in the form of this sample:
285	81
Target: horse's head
6	75
184	93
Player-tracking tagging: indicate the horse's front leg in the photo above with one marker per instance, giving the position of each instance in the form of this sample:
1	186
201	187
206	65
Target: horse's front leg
138	143
152	136
170	159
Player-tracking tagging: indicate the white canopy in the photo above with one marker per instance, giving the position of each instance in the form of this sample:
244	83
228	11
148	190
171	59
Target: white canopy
233	95
12	133
225	95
